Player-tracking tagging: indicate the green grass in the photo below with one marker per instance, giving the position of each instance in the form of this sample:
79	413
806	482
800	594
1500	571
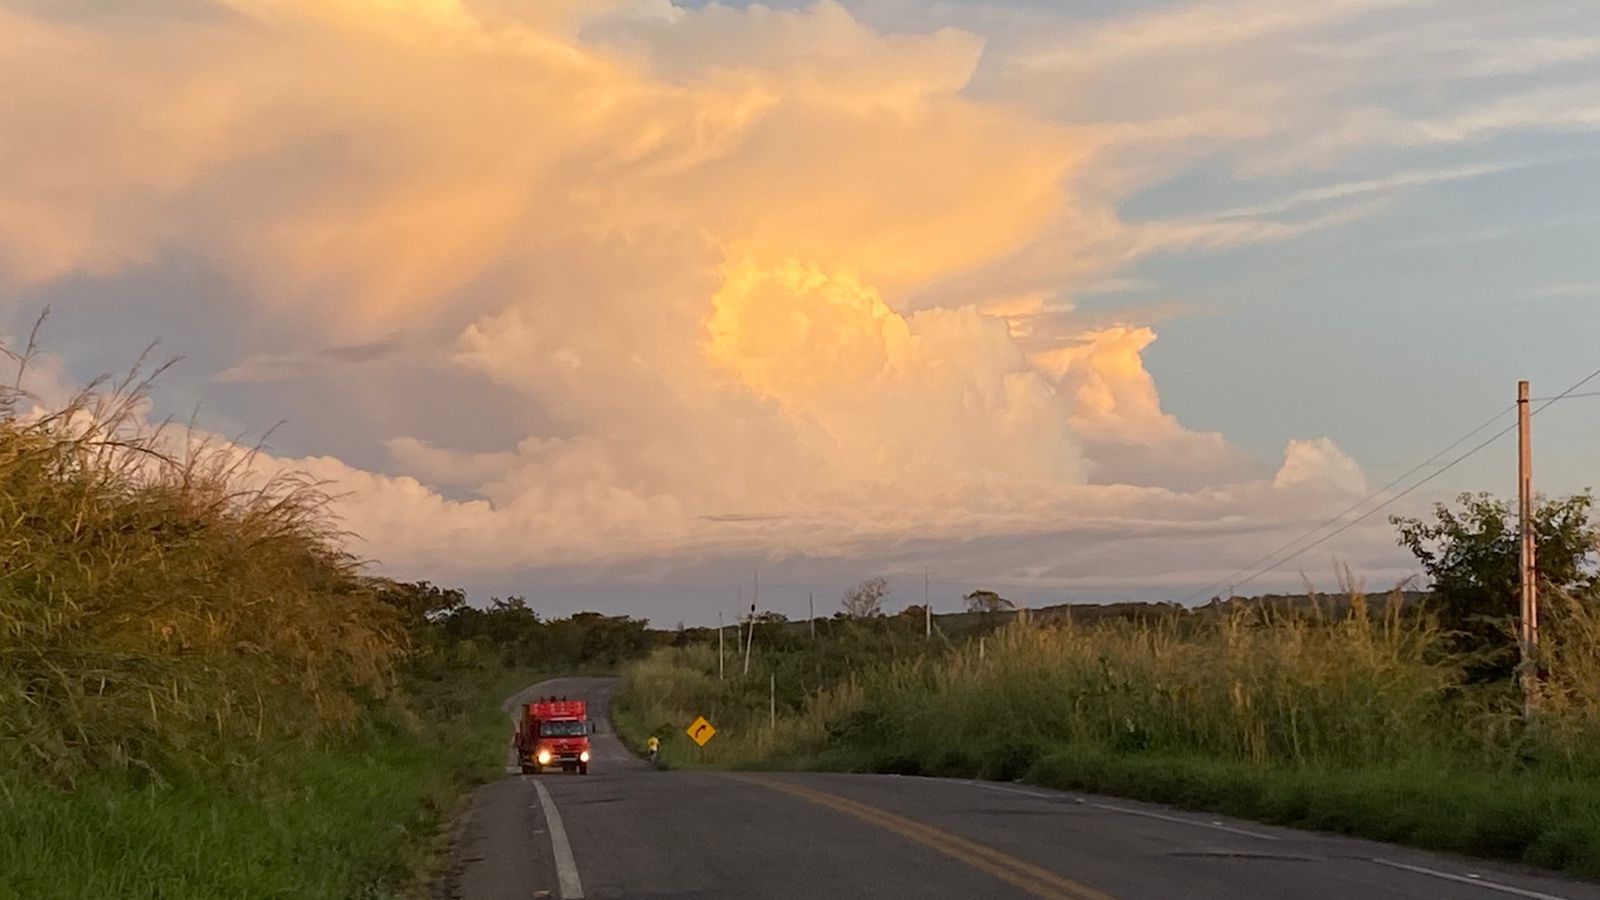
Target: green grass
362	816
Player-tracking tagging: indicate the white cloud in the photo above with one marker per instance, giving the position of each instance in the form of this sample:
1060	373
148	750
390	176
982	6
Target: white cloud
777	279
1569	291
1320	463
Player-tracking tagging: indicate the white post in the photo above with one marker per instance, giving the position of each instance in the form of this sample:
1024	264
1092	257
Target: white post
980	650
750	639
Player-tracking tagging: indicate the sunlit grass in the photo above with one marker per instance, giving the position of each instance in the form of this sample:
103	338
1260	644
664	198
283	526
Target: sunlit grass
1359	722
198	688
160	601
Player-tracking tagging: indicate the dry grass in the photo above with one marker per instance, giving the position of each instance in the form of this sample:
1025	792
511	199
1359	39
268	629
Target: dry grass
159	599
1359	722
1567	723
1259	686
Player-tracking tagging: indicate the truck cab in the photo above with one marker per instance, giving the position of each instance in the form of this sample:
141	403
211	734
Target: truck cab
554	733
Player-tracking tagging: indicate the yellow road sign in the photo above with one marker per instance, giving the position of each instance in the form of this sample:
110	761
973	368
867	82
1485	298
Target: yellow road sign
701	731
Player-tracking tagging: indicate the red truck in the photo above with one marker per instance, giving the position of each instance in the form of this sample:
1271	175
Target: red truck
554	733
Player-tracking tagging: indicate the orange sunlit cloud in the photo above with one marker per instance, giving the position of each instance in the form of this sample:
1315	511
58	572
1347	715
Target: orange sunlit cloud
691	247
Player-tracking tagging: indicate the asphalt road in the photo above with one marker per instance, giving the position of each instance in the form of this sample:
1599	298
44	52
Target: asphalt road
627	830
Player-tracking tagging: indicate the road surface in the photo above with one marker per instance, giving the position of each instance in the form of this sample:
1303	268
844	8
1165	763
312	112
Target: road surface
627	830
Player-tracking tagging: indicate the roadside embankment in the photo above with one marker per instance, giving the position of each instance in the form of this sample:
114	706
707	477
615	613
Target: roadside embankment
1360	722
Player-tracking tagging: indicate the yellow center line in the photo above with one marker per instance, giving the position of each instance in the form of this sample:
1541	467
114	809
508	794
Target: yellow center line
1035	880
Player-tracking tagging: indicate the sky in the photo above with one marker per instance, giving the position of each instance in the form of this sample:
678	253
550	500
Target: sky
615	304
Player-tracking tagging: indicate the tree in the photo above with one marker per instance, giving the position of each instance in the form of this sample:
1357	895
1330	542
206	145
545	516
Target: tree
865	600
1472	555
987	602
418	603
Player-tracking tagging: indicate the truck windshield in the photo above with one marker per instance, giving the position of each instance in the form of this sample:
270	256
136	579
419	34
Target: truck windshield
571	728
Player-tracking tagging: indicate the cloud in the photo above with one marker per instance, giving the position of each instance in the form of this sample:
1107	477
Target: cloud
1569	291
1327	193
1319	463
259	367
1197	26
446	468
1117	410
776	281
1269	89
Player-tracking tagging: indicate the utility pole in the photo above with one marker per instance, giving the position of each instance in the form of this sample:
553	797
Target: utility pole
720	656
751	638
927	609
738	642
1529	573
772	698
811	614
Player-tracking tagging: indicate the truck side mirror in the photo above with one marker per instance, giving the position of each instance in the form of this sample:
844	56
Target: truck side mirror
590	726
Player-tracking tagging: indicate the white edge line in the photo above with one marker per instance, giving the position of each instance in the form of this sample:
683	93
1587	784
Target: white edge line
1182	821
1420	870
566	867
1132	812
1490	885
1011	790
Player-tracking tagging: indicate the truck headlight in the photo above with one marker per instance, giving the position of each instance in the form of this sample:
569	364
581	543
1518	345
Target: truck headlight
584	756
544	757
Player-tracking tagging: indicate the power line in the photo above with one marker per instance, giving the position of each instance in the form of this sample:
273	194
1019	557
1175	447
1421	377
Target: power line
1358	504
1569	393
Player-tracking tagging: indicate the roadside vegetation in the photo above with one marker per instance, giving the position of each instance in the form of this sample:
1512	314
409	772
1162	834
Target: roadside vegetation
202	694
1396	718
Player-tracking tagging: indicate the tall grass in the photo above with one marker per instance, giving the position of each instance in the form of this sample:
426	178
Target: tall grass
1566	724
160	601
1357	721
200	692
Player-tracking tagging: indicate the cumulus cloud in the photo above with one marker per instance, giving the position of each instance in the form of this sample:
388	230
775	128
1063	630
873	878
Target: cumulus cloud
1320	463
758	269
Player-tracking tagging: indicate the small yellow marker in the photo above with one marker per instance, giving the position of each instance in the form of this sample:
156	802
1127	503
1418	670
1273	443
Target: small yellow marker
701	731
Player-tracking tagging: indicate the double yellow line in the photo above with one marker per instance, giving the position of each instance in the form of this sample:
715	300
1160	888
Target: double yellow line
1031	878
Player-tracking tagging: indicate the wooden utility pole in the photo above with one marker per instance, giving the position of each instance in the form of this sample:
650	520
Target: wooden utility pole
811	614
772	697
1529	572
720	656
